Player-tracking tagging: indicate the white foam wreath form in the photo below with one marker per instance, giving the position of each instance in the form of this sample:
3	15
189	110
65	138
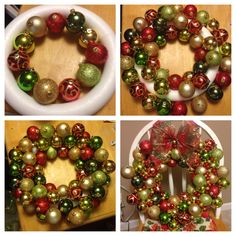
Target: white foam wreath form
174	95
90	103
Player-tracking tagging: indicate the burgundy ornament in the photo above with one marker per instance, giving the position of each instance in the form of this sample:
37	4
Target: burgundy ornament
184	196
75	193
194	26
200	81
138	90
194	160
179	108
171	33
96	202
157	188
200	54
33	133
150	15
41	158
153	62
29	171
86	153
214	191
86	135
223	79
209	144
220	35
152	171
50	187
42	205
69	89
17	193
145	146
148	34
174	81
78	130
190	11
132	199
126	49
56	23
62	152
172	163
183	218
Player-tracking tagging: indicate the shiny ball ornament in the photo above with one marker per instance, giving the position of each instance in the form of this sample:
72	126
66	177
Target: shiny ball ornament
225	49
130	76
161	40
88	75
25	145
200	67
56	23
85	204
69	89
223	182
153	62
62	190
221	35
150	182
29	209
194	210
88	35
167	12
139	24
53	216
137	181
109	166
201	170
165	218
153	212
25	41
86	183
205	199
45	91
214	93
186	89
47	131
75	21
225	64
39	179
15	155
171	33
152	49
70	141
86	153
184	36
26	184
127	172
27	79
41	158
174	199
78	130
51	153
222	79
42	144
162	74
126	62
137	90
183	206
18	60
36	26
130	34
199	54
217	154
160	25
213	24
42	205
174	81
222	171
213	58
137	43
190	11
56	141
26	198
141	58
95	142
179	108
178	8
163	106
33	133
203	17
63	130
196	41
209	43
65	206
126	49
96	53
138	155
90	166
39	191
145	147
175	154
199	180
76	216
217	202
194	26
50	187
29	158
200	80
180	21
148	73
74	153
101	155
149	102
148	34
214	191
150	15
98	192
99	178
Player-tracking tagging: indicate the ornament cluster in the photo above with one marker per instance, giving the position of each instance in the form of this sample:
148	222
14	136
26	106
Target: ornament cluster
207	179
151	33
73	201
46	91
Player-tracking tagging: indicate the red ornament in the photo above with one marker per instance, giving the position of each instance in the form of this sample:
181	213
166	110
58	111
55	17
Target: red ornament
96	202
148	34
183	218
62	152
171	33
153	62
145	146
41	158
150	15
221	35
18	60
17	193
172	163
138	90
200	54
86	153
200	81
78	130
214	191
209	144
174	81
126	49
75	193
86	135
69	89
80	174
42	205
29	171
50	187
179	108
164	205
194	26
33	133
184	196
96	53
56	23
152	171
190	11
194	160
223	79
132	199
157	188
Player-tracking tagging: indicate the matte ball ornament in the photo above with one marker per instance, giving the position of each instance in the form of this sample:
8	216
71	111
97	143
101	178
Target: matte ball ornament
148	34
214	93
203	17
137	90
127	172
190	11
87	35
25	145
201	170
47	131
171	33
25	41
196	41
74	153
213	24
194	26
222	171
167	12
199	180
200	54
63	130
194	209
222	79
150	15
225	64
56	23
42	205
217	153
225	49
221	35
99	177
140	23
39	191
29	158
180	21
184	36
126	62
179	108
96	53
213	58
36	26
153	212
162	74
51	153
145	147
163	106
18	60
69	89
88	75
205	199
126	49
26	184
130	76
76	216
45	91
174	81
186	89
53	216
149	102
29	209
27	79
75	21
130	34
200	80
101	155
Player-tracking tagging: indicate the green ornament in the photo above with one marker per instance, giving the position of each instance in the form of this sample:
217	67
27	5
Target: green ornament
108	181
15	155
217	202
15	182
99	178
225	49
183	163
88	75
161	87
130	76
162	74
174	225
137	181
90	166
27	79
85	204
101	155
141	58
200	67
199	180
47	131
39	191
65	206
74	184
43	144
183	206
160	25
138	166
175	154
23	40
75	21
95	142
41	217
205	199
217	153
98	192
190	189
156	198
184	36
213	58
70	141
163	106
214	93
167	12
39	179
223	182
79	164
15	169
203	17
205	156
144	194
53	197
161	40
165	218
51	153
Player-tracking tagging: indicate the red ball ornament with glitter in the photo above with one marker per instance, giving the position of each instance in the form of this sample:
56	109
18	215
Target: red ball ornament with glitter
41	158
78	130
220	35
86	153
69	89
153	62
126	49
214	191
138	90
150	15
209	144
29	171
62	152
194	26
33	133
18	60
50	187
174	81
96	53
164	205
148	34
42	205
200	81
171	33
56	23
145	146
190	11
179	108
200	54
223	79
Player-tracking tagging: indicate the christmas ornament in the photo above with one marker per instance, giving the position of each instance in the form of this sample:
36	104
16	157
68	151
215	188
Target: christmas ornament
56	23
27	80
36	26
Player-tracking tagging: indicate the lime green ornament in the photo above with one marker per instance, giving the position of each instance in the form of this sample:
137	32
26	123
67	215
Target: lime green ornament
199	180
203	17
79	164
88	75
25	41
213	58
167	12
165	218
223	182
217	202
162	74
161	40
217	153
51	153
39	191
184	36
144	194
225	49
205	199
99	178
130	76
27	79
47	131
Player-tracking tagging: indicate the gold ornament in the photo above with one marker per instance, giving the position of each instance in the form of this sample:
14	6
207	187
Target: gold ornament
36	26
89	35
25	145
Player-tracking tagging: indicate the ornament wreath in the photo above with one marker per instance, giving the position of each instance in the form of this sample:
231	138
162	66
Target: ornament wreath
152	84
82	195
168	147
46	91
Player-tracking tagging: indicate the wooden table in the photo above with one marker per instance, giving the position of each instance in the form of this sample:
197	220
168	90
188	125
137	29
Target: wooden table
62	171
51	50
177	58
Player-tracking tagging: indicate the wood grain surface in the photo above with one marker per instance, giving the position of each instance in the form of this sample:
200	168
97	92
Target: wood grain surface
58	57
62	171
177	58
